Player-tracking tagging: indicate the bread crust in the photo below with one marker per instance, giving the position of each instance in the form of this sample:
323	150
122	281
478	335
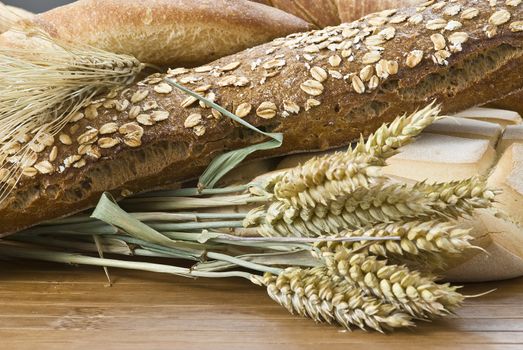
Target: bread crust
169	33
333	12
276	79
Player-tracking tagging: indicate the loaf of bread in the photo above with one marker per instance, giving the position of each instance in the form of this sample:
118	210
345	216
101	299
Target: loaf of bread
167	32
513	102
321	89
513	134
333	12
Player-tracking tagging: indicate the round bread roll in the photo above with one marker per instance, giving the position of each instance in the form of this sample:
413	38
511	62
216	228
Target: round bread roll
168	32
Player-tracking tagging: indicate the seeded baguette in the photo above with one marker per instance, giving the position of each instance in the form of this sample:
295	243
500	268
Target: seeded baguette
320	89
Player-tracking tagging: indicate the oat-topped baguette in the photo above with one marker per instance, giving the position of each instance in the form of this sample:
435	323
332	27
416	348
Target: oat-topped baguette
320	89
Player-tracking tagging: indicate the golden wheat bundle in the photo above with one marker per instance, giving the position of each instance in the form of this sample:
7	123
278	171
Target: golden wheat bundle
324	242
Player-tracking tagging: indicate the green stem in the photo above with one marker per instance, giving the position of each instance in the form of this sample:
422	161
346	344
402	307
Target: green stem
59	257
151	216
194	192
196	225
243	263
184	203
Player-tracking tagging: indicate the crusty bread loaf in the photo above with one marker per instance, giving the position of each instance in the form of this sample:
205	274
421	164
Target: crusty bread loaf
513	102
512	134
500	256
508	176
168	32
333	12
320	89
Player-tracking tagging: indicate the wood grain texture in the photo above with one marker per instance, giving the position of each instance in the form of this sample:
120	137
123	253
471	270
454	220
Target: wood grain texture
47	306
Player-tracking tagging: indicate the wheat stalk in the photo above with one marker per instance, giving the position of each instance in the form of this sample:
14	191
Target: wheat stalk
313	293
332	176
410	291
459	198
42	89
433	239
371	206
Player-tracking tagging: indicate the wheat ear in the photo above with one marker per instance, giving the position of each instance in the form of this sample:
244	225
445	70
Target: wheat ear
459	198
43	88
431	239
313	293
371	206
410	291
340	174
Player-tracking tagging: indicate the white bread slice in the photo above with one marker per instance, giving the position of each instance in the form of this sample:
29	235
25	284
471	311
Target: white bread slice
442	158
508	176
500	116
502	255
513	134
467	128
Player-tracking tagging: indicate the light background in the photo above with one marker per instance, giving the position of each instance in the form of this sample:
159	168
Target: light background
36	5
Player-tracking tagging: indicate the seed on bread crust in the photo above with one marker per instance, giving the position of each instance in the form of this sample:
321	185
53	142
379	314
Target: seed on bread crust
44	167
108	142
139	96
243	110
516	26
499	17
439	41
414	58
230	66
108	128
159	116
187	102
335	61
319	74
53	154
163	88
312	87
291	107
88	137
469	13
193	120
358	85
266	110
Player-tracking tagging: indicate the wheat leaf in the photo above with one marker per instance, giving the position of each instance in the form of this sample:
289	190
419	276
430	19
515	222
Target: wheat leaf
224	163
108	211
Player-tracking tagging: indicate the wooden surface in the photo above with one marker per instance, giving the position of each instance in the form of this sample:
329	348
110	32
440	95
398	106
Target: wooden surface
47	306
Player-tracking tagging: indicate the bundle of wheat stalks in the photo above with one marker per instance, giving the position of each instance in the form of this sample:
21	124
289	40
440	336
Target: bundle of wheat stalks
332	239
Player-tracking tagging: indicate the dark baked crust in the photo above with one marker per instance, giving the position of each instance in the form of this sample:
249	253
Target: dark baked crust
485	69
